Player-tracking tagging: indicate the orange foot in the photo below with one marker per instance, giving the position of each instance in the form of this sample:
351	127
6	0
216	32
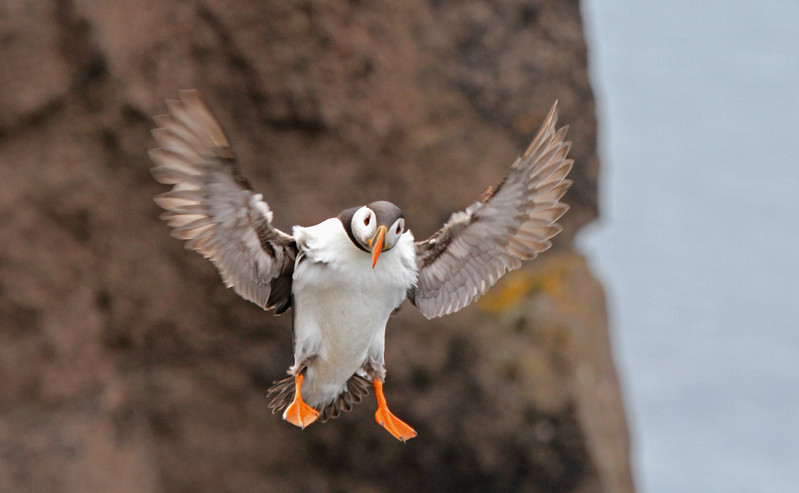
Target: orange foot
298	412
386	418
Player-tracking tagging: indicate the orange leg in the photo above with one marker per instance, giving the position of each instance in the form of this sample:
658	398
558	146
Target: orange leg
298	412
387	420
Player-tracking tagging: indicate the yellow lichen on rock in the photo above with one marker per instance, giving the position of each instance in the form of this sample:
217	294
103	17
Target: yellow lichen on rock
548	278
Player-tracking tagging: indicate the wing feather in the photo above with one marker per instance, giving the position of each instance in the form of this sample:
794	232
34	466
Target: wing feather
213	207
477	246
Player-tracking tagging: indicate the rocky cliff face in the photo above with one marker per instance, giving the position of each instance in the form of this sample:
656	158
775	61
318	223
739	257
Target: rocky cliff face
125	363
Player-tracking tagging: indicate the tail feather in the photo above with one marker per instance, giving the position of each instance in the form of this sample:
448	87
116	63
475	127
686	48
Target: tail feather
281	394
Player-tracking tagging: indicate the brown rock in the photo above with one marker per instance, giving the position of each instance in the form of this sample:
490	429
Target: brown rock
125	363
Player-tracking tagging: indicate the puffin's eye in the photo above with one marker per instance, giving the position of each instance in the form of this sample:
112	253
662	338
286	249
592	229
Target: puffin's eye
366	220
399	228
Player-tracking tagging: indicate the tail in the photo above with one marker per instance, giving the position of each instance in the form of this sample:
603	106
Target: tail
281	394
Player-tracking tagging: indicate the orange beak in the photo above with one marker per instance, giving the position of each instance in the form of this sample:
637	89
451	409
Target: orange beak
377	244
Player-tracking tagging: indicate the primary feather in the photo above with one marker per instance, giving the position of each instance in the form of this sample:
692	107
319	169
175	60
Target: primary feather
213	207
514	222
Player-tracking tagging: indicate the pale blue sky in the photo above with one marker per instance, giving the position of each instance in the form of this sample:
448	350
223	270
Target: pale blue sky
698	243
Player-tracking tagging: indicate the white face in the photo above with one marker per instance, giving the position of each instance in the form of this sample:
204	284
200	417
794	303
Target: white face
364	228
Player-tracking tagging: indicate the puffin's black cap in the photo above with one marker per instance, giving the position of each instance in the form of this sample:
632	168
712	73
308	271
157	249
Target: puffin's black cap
386	212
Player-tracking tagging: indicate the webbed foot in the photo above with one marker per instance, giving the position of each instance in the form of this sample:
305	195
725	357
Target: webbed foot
386	418
298	412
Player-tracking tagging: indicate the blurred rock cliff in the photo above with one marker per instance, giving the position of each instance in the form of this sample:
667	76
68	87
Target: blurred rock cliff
126	366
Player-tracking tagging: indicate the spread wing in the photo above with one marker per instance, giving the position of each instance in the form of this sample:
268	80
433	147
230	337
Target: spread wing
214	208
514	222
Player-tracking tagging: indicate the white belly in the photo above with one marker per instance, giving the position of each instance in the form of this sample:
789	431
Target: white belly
342	327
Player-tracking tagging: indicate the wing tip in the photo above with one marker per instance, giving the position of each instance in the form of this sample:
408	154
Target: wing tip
546	132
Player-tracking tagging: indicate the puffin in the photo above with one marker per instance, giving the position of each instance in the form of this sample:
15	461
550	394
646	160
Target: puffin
344	277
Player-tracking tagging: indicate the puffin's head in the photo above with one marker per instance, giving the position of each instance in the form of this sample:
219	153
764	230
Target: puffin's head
374	227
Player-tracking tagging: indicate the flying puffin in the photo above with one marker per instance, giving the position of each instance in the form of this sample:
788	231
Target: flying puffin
344	276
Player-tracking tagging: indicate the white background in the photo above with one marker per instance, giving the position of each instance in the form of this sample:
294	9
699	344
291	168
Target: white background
698	245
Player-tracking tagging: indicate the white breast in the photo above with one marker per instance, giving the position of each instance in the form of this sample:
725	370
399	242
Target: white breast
341	304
